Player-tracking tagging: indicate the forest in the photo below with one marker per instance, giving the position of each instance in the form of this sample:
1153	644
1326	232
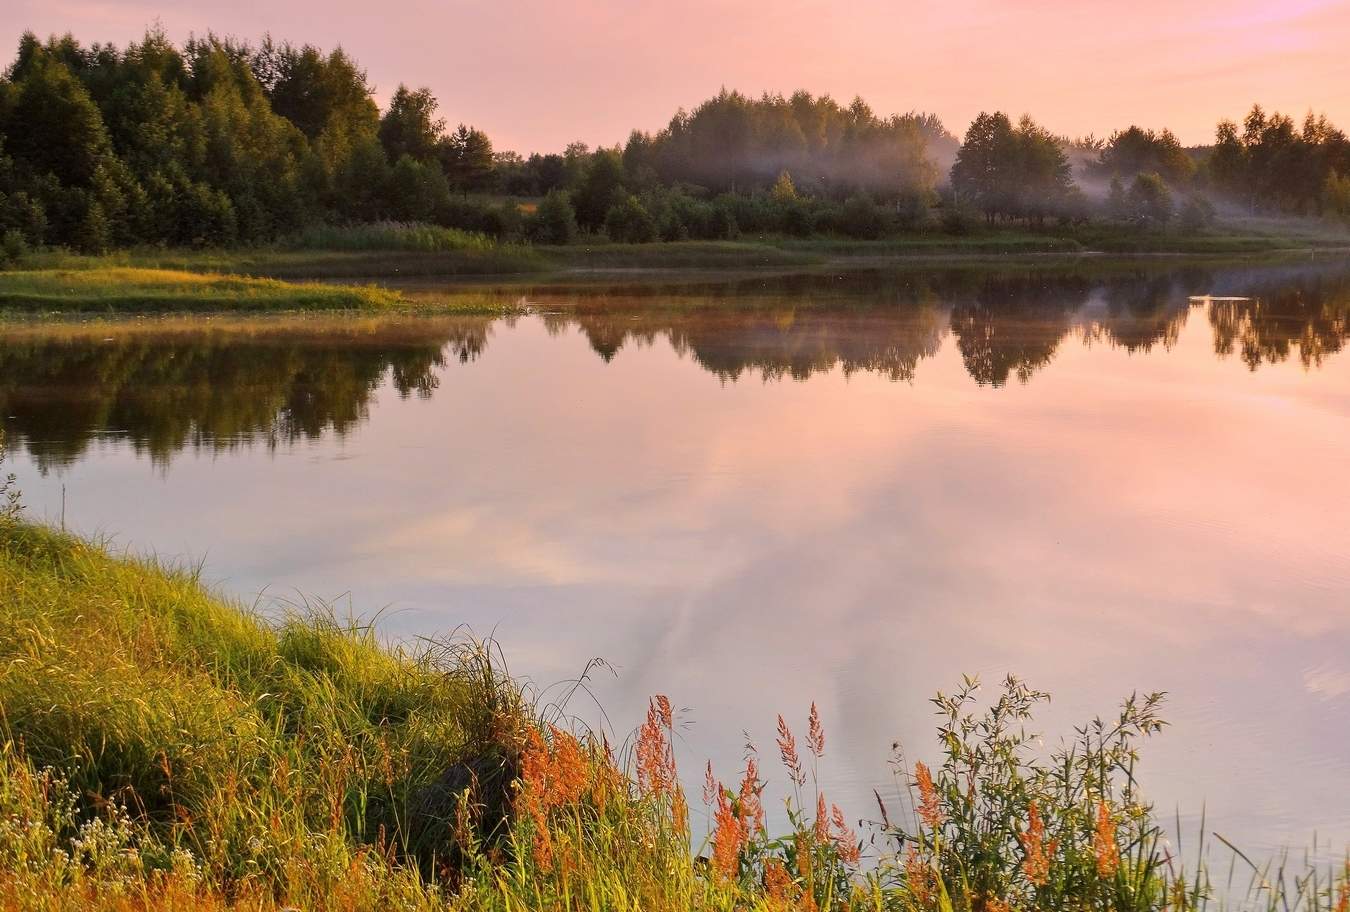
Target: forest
220	143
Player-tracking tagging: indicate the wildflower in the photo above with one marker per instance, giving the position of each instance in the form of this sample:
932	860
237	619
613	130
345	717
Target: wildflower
845	841
822	819
543	849
663	707
709	786
815	736
751	807
728	837
568	771
1038	852
918	877
777	881
655	755
930	808
1104	842
787	749
679	811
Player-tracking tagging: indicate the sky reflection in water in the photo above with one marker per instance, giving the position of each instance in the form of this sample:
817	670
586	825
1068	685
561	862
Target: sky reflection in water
843	489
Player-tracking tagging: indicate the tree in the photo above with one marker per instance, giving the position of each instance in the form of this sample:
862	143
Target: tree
1117	206
783	188
1150	202
1136	150
1336	197
319	94
466	156
600	188
555	221
629	222
52	124
409	126
1017	172
982	172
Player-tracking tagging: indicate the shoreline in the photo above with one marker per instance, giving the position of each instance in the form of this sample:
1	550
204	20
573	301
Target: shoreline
227	761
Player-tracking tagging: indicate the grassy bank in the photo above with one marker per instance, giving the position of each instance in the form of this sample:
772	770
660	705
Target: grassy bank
118	288
94	287
388	250
162	748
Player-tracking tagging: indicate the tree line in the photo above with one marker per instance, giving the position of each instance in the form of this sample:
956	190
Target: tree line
220	142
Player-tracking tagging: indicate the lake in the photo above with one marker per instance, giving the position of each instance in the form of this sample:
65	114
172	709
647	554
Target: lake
753	492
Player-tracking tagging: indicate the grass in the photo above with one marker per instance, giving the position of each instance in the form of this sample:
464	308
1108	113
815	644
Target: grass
132	289
413	236
391	250
162	747
110	289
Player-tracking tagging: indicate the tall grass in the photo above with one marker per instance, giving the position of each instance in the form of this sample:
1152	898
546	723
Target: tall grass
411	236
163	748
120	288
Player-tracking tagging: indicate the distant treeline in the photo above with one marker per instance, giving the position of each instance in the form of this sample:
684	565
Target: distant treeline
219	142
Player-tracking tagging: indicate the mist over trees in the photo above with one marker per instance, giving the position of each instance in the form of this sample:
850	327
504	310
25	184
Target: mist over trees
218	142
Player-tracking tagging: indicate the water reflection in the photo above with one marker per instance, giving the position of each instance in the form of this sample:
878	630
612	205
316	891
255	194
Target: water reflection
170	385
611	475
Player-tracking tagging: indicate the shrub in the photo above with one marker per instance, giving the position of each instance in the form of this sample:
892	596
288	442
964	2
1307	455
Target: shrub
1197	213
555	221
13	247
629	222
861	218
1149	200
959	218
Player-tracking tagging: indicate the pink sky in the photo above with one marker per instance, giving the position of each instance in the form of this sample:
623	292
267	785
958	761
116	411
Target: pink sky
536	74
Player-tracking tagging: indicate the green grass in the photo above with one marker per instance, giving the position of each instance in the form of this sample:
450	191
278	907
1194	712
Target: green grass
163	748
121	289
411	236
390	250
132	289
257	755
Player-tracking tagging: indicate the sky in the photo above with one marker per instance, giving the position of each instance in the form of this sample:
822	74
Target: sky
538	74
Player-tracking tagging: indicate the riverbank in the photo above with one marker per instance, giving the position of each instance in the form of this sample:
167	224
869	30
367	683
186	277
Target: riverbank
162	747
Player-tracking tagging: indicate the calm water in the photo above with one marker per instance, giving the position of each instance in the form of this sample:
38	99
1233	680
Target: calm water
757	493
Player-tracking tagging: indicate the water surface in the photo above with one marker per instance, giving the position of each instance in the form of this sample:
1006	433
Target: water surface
758	492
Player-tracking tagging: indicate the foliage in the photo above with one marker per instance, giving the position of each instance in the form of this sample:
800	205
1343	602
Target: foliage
119	288
1149	202
732	142
386	236
1138	151
1012	172
1272	165
467	158
554	221
11	499
629	222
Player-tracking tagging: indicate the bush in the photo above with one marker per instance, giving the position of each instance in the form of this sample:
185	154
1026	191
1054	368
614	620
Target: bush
555	221
911	209
13	247
412	236
629	222
958	218
861	218
795	216
1197	213
1149	201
